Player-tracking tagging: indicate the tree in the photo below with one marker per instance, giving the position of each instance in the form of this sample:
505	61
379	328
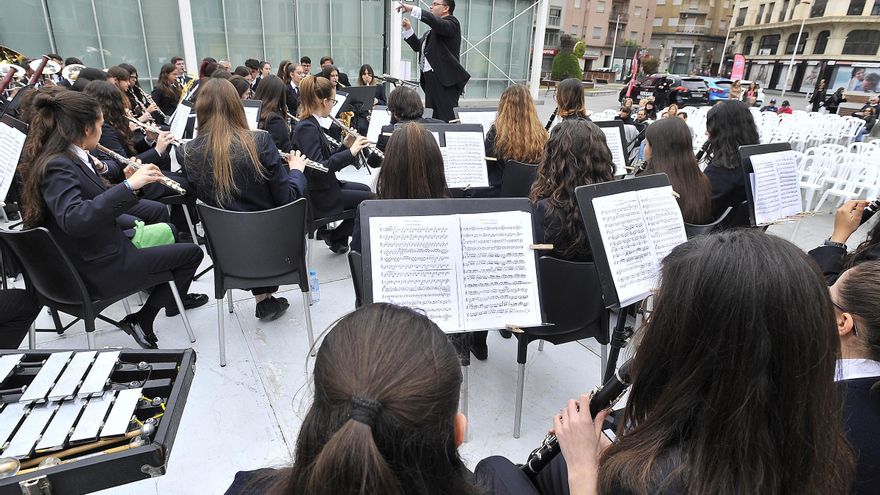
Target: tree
650	65
565	63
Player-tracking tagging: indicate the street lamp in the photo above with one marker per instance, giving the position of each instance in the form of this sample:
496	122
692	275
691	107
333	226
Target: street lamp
794	51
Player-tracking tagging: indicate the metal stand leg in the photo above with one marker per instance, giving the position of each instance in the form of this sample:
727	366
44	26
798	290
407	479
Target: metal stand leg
540	345
465	371
306	300
126	306
32	337
91	338
140	298
221	333
520	382
619	338
603	359
189	223
229	300
189	331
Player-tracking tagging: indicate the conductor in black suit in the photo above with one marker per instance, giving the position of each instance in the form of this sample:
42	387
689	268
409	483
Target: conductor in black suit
442	76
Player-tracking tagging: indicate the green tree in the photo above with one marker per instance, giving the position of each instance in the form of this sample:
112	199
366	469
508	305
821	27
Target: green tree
566	63
650	65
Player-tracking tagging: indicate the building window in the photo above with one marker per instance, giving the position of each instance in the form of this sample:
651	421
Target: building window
856	7
658	22
783	11
638	12
600	6
673	22
577	4
818	8
741	17
574	30
597	33
792	39
554	17
769	44
875	10
551	39
747	45
821	42
769	13
862	42
722	25
760	14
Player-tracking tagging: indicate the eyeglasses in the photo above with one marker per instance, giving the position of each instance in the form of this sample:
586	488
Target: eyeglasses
437	4
855	325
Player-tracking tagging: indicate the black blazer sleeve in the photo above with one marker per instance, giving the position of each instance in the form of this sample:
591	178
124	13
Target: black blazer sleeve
308	137
414	42
446	27
276	126
830	261
286	185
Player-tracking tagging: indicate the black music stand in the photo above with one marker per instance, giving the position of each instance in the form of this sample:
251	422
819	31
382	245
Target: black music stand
585	195
483	111
745	154
616	124
441	129
253	106
433	207
361	97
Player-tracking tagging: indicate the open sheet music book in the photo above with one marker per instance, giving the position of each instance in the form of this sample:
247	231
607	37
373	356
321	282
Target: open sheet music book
464	154
466	271
614	136
775	187
638	229
11	145
179	119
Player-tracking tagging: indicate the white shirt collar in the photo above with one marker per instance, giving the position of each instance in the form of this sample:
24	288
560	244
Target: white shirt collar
850	369
84	156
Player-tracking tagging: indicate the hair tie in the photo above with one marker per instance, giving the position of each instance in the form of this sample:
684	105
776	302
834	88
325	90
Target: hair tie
364	410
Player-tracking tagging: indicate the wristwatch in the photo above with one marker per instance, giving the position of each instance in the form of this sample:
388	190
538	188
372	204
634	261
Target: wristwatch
829	242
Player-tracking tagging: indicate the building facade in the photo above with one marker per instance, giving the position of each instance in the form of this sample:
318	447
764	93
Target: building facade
147	33
839	42
688	35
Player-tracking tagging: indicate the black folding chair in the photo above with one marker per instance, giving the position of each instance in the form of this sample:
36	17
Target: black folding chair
693	230
51	276
355	265
257	249
517	179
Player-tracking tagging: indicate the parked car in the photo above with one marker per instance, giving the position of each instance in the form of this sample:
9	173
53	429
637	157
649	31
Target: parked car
683	90
723	87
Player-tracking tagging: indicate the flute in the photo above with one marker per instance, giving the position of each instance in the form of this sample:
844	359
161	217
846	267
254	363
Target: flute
309	163
166	181
355	134
154	129
329	137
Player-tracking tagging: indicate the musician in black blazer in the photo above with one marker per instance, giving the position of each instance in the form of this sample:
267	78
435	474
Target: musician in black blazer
327	194
65	194
273	112
404	105
167	92
442	76
295	75
832	256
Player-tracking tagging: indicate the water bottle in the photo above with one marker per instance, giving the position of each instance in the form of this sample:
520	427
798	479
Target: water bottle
314	286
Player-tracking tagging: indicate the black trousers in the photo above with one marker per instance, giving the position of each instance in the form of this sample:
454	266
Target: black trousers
181	259
18	310
353	193
502	477
439	97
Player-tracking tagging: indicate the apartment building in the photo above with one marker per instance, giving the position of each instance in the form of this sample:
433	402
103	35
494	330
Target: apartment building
688	35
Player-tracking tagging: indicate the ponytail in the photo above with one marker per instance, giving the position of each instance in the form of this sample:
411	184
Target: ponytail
313	89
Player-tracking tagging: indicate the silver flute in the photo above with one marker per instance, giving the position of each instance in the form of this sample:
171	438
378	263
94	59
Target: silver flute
355	134
329	137
166	181
154	129
309	163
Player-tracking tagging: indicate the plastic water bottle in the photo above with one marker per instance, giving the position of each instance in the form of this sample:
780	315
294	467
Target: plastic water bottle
314	286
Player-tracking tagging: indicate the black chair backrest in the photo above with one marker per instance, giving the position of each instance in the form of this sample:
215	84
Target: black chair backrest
739	217
47	270
693	230
571	296
257	246
517	179
356	265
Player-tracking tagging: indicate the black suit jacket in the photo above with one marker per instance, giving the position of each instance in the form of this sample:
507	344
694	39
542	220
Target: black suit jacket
110	138
830	259
276	126
861	421
343	78
168	104
442	49
279	187
728	188
325	193
292	100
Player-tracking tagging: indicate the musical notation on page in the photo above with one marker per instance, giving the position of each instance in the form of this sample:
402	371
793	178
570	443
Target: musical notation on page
775	187
11	145
615	145
464	160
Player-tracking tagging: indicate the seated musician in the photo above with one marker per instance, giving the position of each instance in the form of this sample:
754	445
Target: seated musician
18	310
237	169
576	154
166	94
517	134
327	195
273	113
832	255
327	62
293	77
570	100
242	86
143	109
366	77
384	417
729	125
404	105
732	385
64	192
669	150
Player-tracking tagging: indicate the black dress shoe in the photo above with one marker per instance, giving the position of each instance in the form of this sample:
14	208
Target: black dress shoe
130	326
339	247
271	308
190	301
506	334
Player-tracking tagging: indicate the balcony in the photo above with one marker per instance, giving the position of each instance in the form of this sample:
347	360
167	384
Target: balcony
612	18
691	30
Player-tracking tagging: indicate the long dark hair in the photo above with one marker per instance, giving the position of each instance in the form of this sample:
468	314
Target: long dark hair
59	119
733	380
399	362
273	94
730	125
413	166
576	154
858	255
112	102
169	89
570	99
672	154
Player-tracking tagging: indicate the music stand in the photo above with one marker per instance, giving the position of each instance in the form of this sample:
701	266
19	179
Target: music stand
745	154
252	111
440	131
361	97
616	142
484	116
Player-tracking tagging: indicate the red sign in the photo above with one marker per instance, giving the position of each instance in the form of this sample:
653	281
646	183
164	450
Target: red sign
635	71
550	51
739	67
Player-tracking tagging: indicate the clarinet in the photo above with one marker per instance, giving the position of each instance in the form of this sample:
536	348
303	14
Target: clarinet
703	151
167	181
870	210
603	397
149	100
355	134
552	118
309	163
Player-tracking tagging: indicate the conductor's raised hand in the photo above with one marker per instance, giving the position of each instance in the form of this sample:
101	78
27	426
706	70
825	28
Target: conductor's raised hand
358	145
147	174
406	25
404	8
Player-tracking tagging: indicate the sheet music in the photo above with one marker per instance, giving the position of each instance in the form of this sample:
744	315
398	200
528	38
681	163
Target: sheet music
775	187
615	145
499	277
179	120
415	265
638	229
464	160
253	116
486	119
11	144
379	118
325	121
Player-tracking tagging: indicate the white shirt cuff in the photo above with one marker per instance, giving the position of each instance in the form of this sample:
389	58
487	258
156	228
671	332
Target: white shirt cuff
416	12
409	32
